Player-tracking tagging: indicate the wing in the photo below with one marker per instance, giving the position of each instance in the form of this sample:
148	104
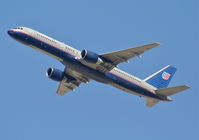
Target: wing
69	84
124	55
65	86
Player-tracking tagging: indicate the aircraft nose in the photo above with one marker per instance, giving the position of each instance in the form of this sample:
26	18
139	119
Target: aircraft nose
11	32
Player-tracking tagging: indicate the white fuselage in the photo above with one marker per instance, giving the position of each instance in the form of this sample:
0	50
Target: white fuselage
77	54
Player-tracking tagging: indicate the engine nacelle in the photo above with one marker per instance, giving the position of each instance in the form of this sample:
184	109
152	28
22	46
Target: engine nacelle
91	57
55	74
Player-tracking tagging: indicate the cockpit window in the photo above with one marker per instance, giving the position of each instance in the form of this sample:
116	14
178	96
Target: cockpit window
19	28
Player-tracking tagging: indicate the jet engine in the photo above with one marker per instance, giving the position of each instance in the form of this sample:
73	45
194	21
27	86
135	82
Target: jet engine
55	74
91	57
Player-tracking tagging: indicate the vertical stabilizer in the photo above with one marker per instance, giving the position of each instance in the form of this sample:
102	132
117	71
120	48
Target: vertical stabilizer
161	78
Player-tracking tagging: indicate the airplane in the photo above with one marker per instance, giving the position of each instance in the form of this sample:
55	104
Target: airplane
84	66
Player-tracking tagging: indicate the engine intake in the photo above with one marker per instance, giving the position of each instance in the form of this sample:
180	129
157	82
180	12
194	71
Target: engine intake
91	57
55	74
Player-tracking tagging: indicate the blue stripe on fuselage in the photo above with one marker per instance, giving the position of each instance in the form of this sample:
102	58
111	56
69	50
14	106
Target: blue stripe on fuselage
31	40
76	65
131	86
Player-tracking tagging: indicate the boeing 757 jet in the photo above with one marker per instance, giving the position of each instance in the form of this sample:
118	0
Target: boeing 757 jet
84	66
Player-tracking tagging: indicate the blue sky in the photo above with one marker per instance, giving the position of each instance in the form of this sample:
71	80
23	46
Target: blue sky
29	107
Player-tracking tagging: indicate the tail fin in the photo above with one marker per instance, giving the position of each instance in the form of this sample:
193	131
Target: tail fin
161	78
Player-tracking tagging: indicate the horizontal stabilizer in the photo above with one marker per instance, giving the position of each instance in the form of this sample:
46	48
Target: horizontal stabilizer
165	92
151	102
171	90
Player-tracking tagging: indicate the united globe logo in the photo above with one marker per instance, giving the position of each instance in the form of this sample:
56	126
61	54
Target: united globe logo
165	75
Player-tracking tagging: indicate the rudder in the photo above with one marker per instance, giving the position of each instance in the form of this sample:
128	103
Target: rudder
161	78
